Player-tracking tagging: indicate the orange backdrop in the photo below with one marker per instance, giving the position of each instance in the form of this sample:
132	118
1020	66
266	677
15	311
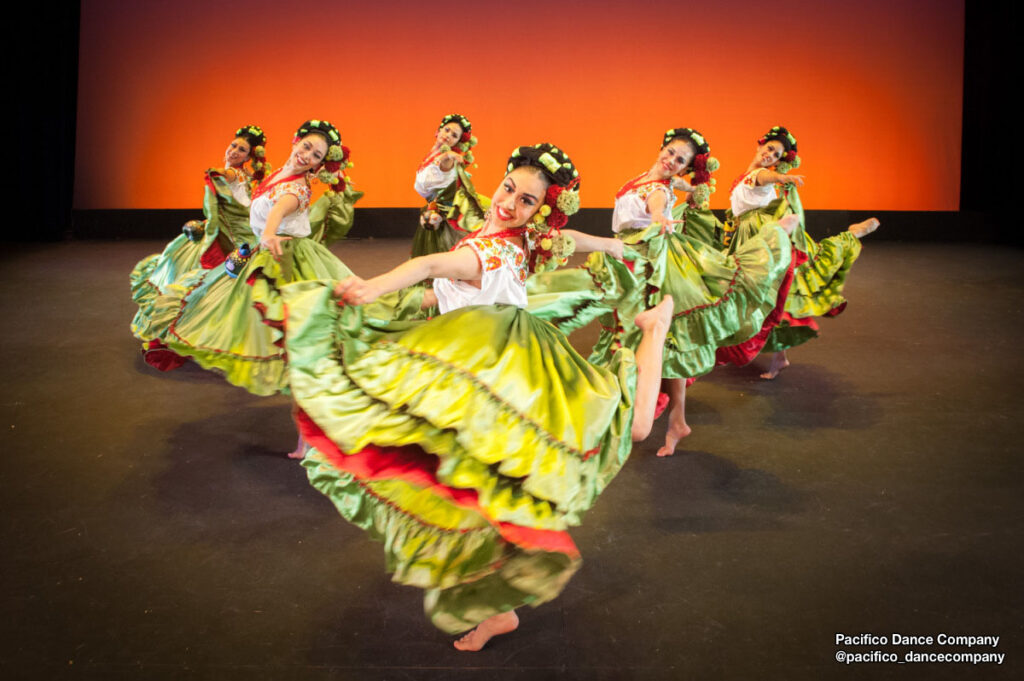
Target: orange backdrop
872	89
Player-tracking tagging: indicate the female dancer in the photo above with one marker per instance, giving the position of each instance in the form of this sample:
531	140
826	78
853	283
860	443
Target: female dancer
821	268
203	243
720	300
441	179
469	444
229	318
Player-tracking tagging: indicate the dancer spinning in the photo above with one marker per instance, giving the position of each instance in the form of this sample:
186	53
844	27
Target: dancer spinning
203	243
229	318
452	209
821	268
469	444
720	300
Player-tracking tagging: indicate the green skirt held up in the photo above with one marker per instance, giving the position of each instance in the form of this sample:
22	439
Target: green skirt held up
468	455
819	277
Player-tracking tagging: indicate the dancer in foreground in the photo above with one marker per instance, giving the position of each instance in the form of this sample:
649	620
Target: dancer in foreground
203	243
452	210
821	267
470	443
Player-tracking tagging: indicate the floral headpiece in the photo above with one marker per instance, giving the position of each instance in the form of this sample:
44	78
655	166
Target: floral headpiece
467	141
789	159
338	155
547	247
257	140
703	163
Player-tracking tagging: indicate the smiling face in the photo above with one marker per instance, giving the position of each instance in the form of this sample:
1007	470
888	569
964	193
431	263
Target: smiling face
308	153
518	197
450	133
674	158
238	152
769	153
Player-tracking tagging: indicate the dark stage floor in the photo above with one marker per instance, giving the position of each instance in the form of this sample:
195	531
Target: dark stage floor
152	529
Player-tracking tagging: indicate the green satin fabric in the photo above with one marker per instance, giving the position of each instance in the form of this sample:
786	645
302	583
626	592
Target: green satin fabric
700	224
818	283
571	298
458	201
214	319
331	217
510	410
226	220
718	299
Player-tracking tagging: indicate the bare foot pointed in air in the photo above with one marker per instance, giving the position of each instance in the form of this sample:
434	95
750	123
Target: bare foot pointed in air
862	229
488	629
778	363
658	316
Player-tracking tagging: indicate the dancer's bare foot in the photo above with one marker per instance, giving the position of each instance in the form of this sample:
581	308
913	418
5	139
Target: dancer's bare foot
677	430
658	316
778	363
488	629
300	450
862	229
789	223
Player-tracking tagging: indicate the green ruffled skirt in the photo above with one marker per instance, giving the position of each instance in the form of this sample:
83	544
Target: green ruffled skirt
426	241
462	212
819	276
235	325
468	455
719	300
226	226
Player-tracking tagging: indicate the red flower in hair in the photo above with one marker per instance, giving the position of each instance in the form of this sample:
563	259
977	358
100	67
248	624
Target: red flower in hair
700	169
465	136
762	140
557	219
346	154
790	156
551	198
332	166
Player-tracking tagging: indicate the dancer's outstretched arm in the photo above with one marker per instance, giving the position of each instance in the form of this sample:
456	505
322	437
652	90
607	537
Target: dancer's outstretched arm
462	263
588	243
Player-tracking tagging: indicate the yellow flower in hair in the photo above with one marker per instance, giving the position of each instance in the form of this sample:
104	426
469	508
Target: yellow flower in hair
568	202
545	244
538	218
545	210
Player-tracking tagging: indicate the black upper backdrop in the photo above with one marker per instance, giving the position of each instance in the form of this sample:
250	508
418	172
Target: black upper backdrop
46	93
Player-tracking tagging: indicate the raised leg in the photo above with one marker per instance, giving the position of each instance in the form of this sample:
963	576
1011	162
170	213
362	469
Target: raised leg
653	324
862	229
